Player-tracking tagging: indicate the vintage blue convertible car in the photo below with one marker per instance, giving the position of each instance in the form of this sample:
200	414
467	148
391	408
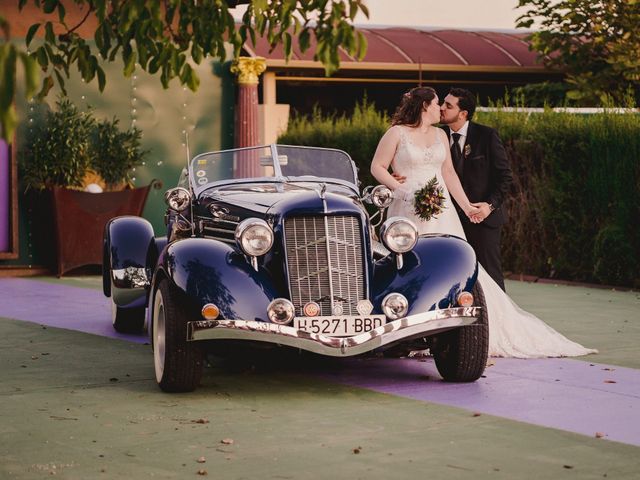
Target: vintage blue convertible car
274	245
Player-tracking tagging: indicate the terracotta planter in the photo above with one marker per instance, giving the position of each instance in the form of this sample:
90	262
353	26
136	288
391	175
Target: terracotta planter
80	218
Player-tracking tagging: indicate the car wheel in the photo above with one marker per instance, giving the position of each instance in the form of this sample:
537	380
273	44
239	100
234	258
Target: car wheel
178	363
127	320
461	354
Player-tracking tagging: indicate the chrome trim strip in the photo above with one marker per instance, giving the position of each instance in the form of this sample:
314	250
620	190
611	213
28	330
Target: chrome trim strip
413	326
221	239
328	248
277	169
218	230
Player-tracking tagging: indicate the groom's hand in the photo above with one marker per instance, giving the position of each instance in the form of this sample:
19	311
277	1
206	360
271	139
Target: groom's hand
399	178
474	214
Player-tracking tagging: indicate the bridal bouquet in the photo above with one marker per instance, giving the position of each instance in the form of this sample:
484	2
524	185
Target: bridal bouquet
429	200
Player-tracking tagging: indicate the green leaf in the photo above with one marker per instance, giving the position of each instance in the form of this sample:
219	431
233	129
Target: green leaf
102	80
49	35
98	37
193	82
47	84
361	46
31	32
41	56
31	74
49	6
129	61
287	45
101	8
196	53
61	12
364	9
7	75
8	122
304	40
60	80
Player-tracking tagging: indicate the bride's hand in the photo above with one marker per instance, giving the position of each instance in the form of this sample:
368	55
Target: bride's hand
404	193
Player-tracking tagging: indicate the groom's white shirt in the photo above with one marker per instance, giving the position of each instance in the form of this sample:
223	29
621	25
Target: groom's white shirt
463	136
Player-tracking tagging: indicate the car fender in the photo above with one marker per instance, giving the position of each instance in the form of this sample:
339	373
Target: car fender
210	271
128	241
433	274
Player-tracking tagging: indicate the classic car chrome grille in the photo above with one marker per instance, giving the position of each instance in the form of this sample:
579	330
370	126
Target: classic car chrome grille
325	262
223	232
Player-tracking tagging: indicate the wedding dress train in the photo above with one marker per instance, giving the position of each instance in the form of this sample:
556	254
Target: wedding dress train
512	331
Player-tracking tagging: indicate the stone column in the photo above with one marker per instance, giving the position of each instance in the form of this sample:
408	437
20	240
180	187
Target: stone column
248	70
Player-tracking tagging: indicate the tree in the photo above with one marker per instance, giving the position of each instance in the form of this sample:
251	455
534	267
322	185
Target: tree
161	36
596	42
10	57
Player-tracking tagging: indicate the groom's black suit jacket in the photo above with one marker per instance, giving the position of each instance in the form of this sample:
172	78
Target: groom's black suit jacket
486	173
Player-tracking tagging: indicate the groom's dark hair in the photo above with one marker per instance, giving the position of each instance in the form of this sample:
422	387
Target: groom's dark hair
466	100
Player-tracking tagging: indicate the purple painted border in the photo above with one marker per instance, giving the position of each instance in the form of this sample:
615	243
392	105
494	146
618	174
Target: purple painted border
5	229
58	305
577	396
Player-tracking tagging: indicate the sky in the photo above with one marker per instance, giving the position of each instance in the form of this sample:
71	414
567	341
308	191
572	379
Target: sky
472	14
475	14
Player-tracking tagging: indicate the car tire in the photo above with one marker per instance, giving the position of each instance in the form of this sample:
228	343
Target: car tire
178	363
127	320
461	354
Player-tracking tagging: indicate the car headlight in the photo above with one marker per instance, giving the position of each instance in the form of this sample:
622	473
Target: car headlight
399	234
281	311
178	199
395	305
381	196
254	236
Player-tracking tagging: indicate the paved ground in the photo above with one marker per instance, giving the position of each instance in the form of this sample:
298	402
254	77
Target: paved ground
85	405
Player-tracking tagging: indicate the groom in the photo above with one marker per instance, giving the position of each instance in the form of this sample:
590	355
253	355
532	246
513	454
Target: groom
480	161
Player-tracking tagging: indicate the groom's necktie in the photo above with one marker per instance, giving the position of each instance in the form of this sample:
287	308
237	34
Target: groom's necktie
456	154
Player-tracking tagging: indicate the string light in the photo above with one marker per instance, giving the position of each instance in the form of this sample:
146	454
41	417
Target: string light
133	110
30	115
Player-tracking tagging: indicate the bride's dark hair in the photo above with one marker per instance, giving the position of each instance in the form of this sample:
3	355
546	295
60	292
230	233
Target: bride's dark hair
409	112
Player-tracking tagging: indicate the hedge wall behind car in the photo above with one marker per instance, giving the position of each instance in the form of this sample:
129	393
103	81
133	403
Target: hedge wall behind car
574	209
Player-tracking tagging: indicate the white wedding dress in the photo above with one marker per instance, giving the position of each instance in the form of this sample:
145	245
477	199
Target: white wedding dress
512	331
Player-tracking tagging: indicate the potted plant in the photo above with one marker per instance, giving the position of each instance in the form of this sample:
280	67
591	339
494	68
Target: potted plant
83	166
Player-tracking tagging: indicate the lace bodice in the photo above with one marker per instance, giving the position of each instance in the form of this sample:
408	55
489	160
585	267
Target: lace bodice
418	163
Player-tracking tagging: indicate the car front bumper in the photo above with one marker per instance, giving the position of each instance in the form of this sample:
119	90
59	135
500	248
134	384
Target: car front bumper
413	326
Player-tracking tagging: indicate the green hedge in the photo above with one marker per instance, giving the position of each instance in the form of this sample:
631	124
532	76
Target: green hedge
574	209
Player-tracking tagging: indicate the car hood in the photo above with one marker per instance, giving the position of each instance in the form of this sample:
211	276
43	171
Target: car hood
278	198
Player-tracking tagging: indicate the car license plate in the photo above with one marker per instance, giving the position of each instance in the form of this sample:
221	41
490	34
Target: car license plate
339	326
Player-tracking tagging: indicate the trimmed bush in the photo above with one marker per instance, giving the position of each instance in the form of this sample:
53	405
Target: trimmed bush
577	179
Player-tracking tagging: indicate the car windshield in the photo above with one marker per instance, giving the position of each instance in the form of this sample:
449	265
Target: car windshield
275	161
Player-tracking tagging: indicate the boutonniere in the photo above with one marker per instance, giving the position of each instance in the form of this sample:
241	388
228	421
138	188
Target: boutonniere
467	150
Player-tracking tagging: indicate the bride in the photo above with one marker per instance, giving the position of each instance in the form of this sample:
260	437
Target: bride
418	150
